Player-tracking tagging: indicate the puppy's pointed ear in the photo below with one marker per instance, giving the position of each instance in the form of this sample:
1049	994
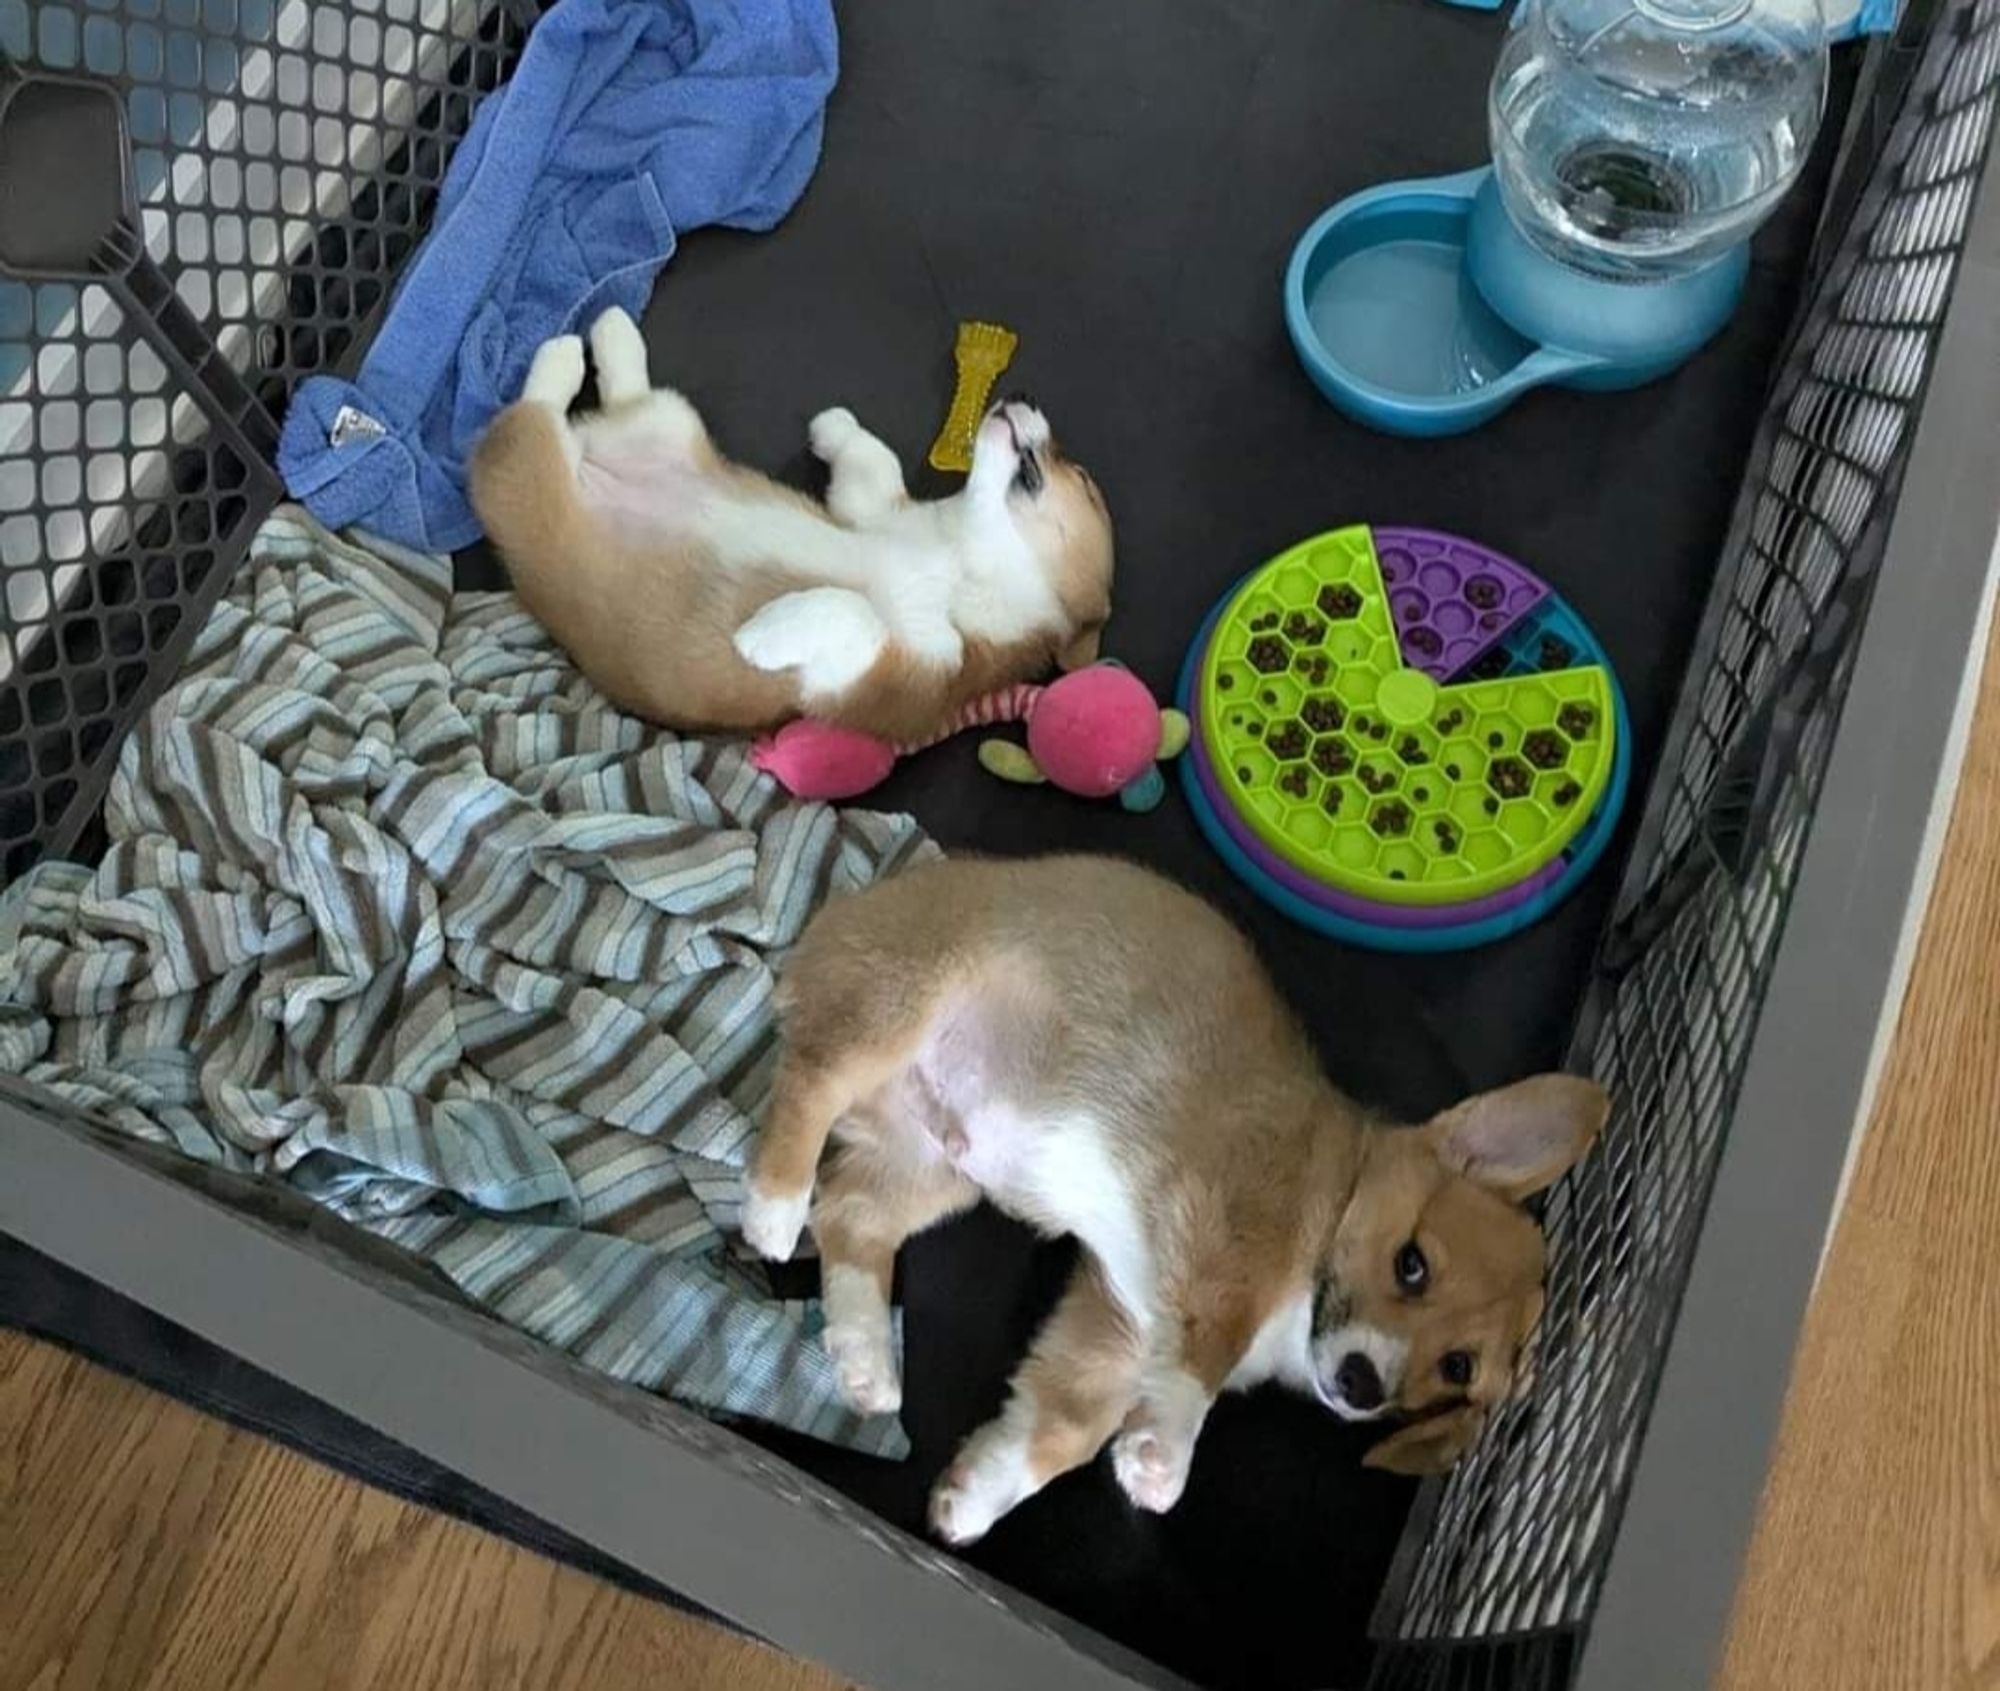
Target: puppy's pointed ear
1429	1446
1517	1140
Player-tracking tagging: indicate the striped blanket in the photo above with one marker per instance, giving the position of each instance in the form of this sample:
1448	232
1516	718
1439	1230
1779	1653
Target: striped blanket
399	911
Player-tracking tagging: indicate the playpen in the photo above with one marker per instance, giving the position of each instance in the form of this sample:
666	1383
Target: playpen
241	180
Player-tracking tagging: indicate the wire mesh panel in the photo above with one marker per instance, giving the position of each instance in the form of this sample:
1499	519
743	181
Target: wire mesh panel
1501	1573
201	202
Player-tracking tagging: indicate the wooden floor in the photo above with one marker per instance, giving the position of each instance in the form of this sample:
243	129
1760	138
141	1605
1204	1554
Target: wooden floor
146	1548
1877	1560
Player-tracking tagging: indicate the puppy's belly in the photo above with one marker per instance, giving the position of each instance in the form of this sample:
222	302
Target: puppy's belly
661	502
981	1079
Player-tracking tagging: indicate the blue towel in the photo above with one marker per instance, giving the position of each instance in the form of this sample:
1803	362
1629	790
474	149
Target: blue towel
625	122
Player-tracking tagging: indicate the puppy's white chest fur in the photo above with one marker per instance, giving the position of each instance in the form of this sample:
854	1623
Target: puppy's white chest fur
1060	1176
1282	1349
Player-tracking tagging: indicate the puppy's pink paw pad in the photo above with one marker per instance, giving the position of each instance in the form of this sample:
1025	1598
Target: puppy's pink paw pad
1151	1471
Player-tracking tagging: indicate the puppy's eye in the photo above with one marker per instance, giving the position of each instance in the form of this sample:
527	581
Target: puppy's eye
1457	1367
1413	1269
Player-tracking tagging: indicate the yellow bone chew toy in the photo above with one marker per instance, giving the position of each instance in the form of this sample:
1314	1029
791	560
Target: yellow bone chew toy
982	352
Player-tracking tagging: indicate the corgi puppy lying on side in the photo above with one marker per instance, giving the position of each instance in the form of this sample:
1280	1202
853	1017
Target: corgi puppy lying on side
701	594
1100	1053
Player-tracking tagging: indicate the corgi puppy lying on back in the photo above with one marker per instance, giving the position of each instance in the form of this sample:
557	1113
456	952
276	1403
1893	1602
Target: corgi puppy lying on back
703	595
1100	1053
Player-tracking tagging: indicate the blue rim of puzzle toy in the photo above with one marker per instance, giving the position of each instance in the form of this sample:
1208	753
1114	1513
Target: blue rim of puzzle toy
1552	616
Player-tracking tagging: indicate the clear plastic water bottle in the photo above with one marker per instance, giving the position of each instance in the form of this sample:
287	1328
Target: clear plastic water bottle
1638	139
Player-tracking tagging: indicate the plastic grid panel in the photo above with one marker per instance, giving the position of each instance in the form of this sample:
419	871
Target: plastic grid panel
285	155
119	498
277	161
1501	1576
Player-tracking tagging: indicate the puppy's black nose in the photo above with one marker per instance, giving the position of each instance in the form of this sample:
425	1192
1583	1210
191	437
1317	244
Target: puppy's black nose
1020	396
1358	1382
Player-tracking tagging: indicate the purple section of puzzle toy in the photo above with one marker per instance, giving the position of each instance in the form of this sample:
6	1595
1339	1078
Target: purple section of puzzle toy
1346	904
1450	600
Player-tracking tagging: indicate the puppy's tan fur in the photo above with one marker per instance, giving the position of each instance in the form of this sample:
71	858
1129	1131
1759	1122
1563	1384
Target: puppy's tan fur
1100	1053
702	594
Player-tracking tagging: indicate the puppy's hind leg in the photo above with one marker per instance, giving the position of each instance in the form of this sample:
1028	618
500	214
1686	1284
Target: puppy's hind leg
873	1197
619	352
1068	1397
815	1087
555	377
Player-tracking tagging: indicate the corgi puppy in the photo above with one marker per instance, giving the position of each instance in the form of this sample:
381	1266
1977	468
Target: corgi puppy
1100	1053
701	594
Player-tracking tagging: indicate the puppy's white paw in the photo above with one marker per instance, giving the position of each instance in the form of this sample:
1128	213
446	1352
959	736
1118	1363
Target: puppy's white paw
619	351
861	1338
772	1222
830	635
556	375
989	1478
866	1362
1151	1467
778	637
830	432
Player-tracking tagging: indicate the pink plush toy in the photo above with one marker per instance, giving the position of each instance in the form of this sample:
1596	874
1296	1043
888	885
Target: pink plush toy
1093	732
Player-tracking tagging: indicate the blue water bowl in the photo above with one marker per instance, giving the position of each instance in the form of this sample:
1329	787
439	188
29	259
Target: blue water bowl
1417	308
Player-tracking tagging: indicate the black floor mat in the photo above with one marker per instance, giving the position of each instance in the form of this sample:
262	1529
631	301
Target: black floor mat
1121	183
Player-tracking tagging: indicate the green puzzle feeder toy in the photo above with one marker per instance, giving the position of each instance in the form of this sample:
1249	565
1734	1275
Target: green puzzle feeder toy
1329	732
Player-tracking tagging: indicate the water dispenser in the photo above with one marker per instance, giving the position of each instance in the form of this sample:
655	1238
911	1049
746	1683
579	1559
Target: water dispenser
1637	145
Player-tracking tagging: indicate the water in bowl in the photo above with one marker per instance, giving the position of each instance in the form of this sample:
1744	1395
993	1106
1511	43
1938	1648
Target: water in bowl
1397	309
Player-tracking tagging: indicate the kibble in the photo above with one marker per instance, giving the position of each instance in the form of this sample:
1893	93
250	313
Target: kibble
1268	655
1323	715
1339	601
1576	720
1288	740
1544	749
1391	820
1482	592
1509	777
1331	757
